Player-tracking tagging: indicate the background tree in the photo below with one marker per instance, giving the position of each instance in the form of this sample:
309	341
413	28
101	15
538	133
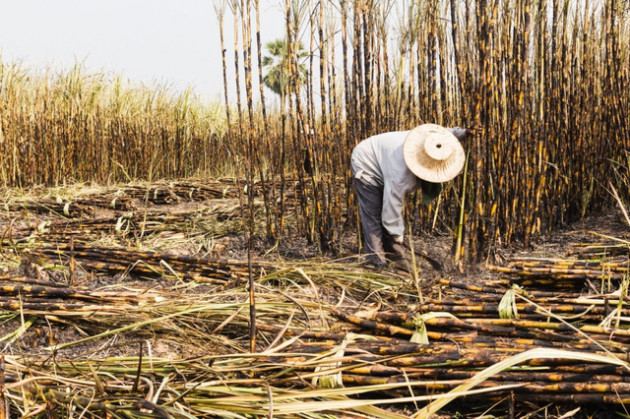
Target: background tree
277	75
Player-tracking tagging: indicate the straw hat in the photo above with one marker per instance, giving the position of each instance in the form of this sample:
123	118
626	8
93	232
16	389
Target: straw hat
433	153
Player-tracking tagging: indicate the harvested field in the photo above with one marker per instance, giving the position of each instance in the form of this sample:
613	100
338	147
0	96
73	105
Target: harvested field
231	283
141	309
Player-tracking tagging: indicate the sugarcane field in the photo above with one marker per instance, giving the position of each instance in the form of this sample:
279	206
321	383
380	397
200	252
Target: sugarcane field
397	209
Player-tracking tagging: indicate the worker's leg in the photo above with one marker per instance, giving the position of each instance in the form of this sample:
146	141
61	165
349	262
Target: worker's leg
370	207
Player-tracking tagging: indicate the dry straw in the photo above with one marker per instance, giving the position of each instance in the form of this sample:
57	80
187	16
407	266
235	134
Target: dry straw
544	84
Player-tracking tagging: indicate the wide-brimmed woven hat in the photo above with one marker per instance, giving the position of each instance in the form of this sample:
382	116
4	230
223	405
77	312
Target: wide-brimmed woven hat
433	153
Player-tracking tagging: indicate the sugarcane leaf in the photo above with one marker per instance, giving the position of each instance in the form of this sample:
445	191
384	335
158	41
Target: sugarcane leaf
507	305
420	334
537	353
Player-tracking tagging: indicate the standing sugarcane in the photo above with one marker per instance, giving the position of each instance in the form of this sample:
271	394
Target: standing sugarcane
249	156
220	11
277	78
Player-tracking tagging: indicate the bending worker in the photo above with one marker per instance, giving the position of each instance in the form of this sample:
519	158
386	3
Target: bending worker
386	167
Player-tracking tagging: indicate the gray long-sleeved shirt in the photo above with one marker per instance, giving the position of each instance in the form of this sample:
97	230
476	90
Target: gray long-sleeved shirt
379	161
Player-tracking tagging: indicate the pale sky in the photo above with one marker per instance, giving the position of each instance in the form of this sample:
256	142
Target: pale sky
174	42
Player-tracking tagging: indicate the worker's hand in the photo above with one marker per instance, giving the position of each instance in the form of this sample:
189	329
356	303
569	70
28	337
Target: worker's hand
473	130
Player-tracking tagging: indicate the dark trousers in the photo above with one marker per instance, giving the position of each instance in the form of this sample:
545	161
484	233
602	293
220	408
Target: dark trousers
376	239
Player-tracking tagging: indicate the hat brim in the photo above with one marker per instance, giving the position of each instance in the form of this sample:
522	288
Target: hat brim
425	167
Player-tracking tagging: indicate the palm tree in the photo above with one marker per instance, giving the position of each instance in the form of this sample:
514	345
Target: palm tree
278	77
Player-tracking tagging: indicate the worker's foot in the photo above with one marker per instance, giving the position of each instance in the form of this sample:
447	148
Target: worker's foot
398	257
400	264
398	252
